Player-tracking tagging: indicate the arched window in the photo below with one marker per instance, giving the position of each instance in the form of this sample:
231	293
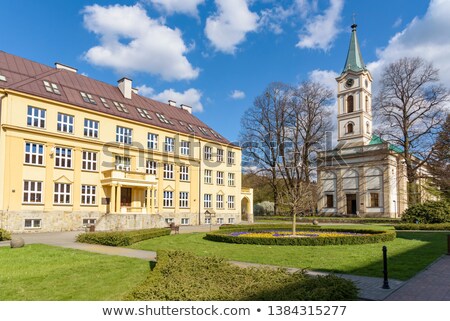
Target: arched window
350	104
349	128
367	128
367	104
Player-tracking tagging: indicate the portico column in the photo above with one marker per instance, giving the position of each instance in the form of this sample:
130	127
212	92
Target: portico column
152	199
118	209
113	199
149	199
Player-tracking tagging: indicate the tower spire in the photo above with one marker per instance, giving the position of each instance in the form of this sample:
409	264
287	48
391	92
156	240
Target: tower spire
354	61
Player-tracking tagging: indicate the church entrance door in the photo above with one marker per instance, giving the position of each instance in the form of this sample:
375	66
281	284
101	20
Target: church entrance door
351	203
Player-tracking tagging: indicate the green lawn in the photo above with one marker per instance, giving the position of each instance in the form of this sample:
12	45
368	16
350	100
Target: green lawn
41	272
408	254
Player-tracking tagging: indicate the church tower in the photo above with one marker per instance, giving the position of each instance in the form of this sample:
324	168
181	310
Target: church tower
354	99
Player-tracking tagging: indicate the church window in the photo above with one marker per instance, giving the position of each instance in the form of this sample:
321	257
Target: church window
368	128
330	201
350	128
374	200
367	104
350	107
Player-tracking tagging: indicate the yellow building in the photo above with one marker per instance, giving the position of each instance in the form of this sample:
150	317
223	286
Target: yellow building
75	151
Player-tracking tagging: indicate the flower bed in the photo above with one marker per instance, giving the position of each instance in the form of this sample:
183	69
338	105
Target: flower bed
311	236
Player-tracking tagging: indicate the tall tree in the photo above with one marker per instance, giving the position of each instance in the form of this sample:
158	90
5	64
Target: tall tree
262	126
440	159
311	113
410	105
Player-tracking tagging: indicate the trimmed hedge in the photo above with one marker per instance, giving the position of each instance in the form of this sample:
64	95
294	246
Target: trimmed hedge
4	235
331	219
374	237
430	227
182	276
121	238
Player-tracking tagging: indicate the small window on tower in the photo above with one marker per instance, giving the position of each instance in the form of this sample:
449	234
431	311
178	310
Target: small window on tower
350	128
368	128
350	107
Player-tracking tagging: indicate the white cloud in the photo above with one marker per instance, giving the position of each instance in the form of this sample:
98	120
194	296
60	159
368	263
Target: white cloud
237	94
397	22
229	26
188	7
425	37
325	77
130	41
190	97
274	18
321	30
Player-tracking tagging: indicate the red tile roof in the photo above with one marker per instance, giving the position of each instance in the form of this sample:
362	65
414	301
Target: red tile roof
27	76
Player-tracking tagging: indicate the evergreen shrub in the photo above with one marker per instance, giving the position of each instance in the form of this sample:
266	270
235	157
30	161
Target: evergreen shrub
428	213
182	276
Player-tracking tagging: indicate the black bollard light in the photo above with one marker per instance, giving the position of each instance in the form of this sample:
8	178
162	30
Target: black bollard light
385	269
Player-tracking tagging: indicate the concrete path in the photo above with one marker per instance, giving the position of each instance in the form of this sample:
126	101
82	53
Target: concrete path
431	284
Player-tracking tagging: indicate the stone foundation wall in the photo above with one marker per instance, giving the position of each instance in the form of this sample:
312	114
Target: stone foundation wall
54	221
116	222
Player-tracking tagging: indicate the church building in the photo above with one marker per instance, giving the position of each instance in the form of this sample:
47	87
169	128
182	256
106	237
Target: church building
363	175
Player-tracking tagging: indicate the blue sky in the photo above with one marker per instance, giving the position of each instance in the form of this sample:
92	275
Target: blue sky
218	55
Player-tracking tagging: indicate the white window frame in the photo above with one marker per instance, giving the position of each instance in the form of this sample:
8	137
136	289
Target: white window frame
51	87
124	135
185	221
184	173
151	167
32	190
152	141
120	107
231	202
184	199
230	158
167	199
169	144
35	154
219	178
35	223
89	161
87	98
144	113
88	194
231	220
122	163
36	117
220	155
208	176
219	220
207	152
231	179
185	147
168	171
62	194
207	200
219	201
65	123
153	197
207	220
63	157
91	128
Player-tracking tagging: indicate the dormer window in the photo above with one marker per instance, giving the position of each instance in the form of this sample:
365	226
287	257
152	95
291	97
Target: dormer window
51	87
88	98
350	107
104	102
203	130
162	118
120	107
2	78
144	113
189	126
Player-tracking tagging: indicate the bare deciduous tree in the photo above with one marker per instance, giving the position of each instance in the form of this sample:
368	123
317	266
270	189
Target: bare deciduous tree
410	105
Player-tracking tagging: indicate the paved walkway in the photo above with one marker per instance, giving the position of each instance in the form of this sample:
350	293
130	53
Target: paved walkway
431	284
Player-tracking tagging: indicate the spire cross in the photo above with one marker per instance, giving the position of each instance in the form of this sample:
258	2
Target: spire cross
354	18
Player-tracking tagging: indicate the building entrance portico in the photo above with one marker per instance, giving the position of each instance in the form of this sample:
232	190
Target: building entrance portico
129	191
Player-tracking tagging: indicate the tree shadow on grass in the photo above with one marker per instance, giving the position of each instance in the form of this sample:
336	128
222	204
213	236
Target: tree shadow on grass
404	265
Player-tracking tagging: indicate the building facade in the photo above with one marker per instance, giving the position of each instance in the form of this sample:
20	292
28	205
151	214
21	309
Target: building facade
363	175
75	151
